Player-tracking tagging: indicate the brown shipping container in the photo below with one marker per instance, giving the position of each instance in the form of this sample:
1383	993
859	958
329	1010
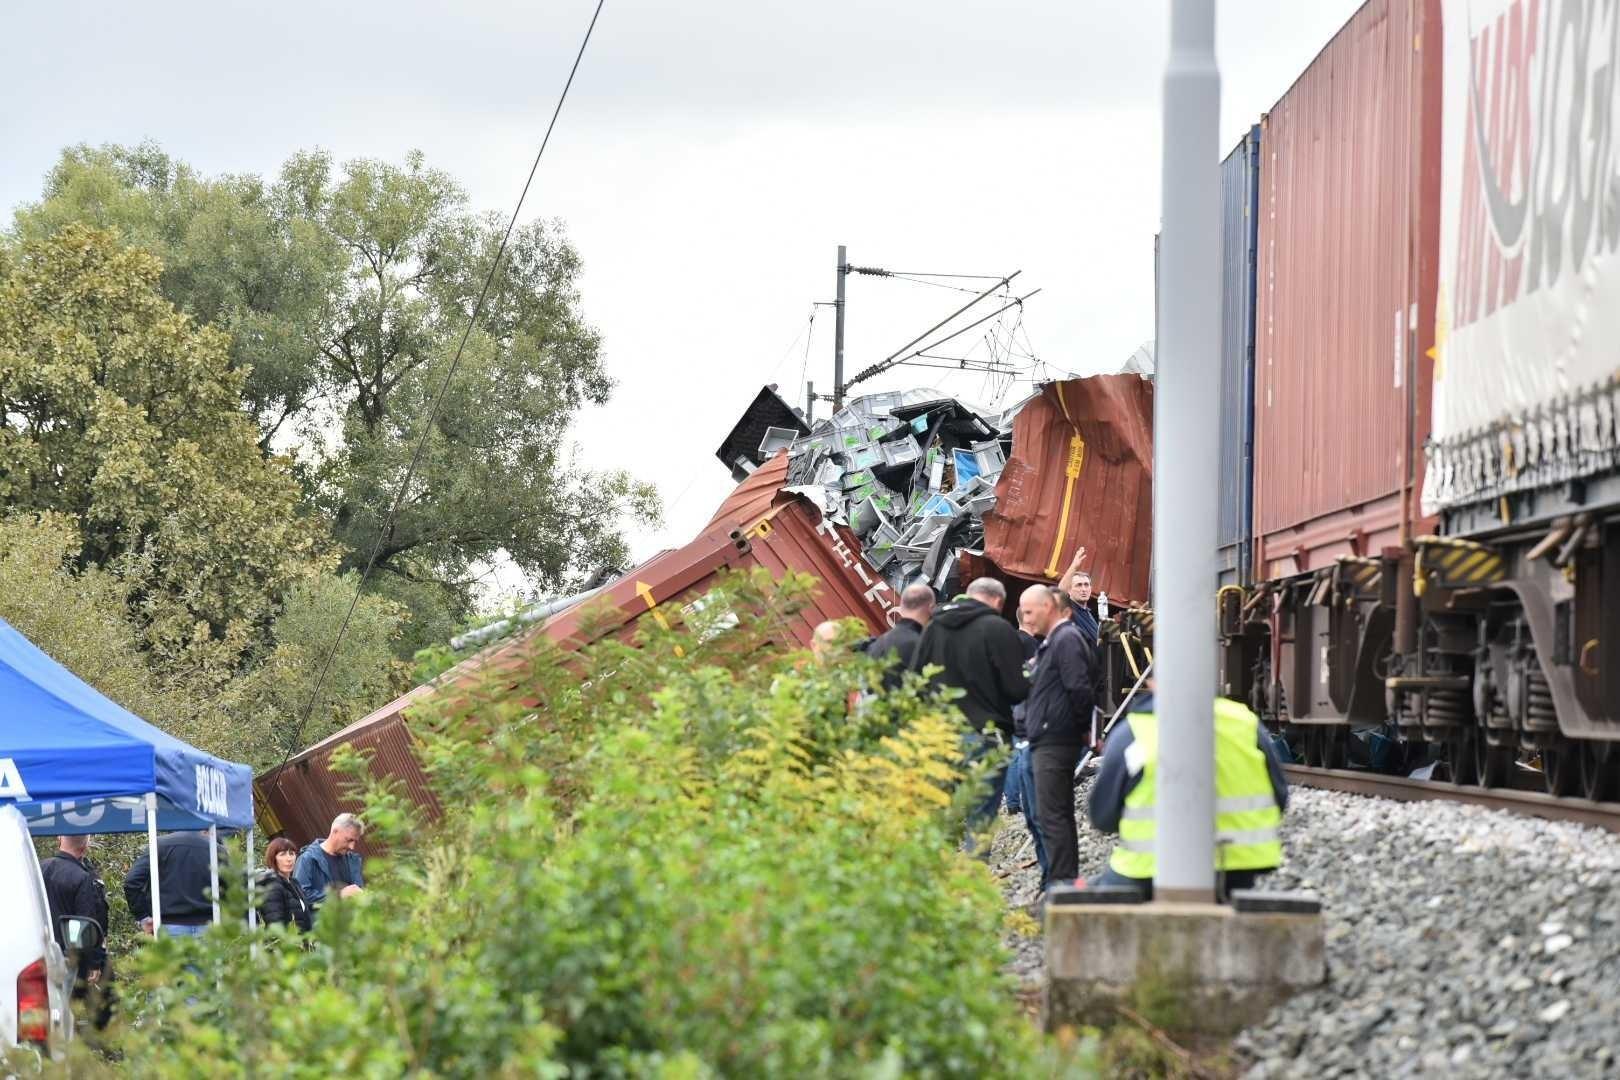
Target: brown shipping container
1348	246
758	525
1080	472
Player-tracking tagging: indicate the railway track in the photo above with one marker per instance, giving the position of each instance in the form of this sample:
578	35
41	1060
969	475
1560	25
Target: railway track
1604	815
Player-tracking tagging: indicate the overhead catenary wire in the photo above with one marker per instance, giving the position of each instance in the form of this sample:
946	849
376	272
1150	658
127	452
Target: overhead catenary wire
958	332
809	339
890	360
934	284
879	272
387	525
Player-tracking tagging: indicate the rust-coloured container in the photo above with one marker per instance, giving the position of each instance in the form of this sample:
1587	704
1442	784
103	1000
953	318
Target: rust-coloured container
1080	472
1348	249
757	526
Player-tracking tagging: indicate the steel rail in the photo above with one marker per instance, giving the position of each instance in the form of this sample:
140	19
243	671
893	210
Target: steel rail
1602	815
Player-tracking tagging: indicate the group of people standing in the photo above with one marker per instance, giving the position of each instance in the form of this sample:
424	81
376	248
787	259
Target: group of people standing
290	889
1035	688
1032	687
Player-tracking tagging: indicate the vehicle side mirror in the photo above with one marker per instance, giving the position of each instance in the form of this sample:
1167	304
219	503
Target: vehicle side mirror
80	934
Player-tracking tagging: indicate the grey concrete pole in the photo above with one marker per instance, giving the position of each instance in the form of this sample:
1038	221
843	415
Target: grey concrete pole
1186	450
838	332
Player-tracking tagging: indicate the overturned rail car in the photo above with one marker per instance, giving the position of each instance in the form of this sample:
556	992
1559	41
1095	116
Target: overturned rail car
759	525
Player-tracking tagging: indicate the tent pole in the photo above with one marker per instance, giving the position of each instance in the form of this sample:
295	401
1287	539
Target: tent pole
213	868
253	911
152	861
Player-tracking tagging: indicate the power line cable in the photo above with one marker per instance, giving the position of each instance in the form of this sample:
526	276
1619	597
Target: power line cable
935	284
923	274
792	346
888	361
438	398
809	339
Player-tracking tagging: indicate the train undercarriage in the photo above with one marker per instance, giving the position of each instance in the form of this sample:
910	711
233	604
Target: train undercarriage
1485	656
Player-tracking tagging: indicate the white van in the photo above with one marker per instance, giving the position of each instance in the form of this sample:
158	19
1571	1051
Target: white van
33	973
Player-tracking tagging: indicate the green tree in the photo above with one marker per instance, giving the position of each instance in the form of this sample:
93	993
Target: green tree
237	254
123	414
363	673
346	292
80	619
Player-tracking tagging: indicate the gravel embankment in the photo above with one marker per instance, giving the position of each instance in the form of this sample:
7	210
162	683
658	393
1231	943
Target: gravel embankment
1461	942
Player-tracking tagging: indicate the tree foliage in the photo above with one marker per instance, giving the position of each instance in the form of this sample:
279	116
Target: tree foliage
668	861
124	414
345	293
239	700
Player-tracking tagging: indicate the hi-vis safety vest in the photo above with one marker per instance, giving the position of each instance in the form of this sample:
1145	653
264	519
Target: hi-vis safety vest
1247	820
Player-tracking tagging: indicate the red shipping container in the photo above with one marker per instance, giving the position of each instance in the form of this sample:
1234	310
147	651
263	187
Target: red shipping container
1081	472
1348	252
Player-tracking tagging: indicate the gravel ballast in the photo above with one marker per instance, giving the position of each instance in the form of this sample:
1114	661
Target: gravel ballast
1461	941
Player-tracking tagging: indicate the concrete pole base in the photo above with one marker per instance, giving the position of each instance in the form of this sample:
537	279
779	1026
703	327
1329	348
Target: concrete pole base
1201	968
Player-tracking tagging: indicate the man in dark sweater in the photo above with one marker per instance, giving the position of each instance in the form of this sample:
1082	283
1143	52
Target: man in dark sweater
183	885
1057	717
982	655
900	640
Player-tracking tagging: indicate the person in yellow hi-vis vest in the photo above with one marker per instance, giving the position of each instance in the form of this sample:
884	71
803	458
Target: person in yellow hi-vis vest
1251	794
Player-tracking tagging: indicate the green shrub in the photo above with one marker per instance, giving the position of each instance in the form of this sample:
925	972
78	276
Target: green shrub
678	860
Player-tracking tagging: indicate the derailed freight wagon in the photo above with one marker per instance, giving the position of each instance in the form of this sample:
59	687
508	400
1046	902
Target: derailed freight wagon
1348	217
759	525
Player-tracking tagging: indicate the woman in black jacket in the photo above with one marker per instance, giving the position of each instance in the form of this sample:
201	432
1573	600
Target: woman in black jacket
284	900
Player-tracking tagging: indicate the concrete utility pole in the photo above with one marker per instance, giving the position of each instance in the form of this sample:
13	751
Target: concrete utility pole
838	332
1186	449
810	402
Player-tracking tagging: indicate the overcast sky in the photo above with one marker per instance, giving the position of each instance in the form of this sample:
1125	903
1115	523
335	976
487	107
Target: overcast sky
710	159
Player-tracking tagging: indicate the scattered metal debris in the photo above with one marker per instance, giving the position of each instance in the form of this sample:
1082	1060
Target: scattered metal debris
911	473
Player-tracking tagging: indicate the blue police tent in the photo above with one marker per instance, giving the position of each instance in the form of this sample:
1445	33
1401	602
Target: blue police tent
73	761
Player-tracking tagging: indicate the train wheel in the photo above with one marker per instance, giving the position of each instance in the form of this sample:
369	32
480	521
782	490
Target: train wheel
1560	769
1460	757
1493	764
1600	771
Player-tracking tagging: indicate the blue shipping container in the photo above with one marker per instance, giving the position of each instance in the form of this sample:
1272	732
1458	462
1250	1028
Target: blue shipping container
1240	189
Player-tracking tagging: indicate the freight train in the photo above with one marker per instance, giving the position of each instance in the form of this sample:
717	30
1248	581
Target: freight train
1421	356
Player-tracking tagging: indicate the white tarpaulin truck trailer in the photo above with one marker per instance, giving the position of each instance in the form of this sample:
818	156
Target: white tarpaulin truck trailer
1527	342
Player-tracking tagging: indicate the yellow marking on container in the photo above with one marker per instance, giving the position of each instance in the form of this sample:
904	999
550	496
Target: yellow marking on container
644	591
1077	458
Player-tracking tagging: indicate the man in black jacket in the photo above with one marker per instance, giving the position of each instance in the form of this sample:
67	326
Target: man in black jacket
982	655
900	640
1057	717
183	885
74	887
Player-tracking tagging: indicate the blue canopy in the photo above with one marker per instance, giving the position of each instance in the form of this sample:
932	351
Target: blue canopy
74	762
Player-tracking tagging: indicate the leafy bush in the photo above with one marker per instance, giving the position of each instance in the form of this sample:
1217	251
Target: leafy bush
678	860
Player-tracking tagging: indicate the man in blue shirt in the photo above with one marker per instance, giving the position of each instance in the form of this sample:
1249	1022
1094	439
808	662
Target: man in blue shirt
331	864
